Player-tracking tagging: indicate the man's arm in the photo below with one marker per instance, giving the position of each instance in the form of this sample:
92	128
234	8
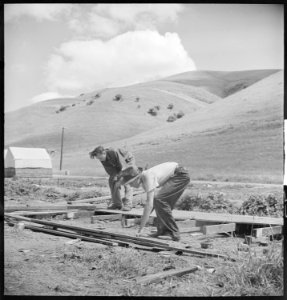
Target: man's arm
147	210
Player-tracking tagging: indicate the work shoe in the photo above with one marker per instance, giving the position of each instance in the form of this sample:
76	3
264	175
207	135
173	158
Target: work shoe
174	235
115	206
126	208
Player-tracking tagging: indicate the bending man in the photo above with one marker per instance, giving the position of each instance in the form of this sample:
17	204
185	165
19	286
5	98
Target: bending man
164	184
114	161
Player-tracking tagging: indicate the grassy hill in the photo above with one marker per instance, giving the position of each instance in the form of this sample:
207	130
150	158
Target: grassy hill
221	83
239	136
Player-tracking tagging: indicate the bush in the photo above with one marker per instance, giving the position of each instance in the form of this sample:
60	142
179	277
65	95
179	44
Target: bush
212	202
170	106
62	108
157	107
90	102
137	99
118	97
180	114
259	205
152	111
74	104
172	118
98	95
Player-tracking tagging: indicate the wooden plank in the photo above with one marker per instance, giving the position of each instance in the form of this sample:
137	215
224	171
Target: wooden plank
13	208
212	229
101	199
140	240
265	231
187	223
71	235
42	213
34	208
114	217
198	252
191	229
211	217
165	274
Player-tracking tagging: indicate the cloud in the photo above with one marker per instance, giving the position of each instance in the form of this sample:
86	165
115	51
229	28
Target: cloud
38	11
108	20
45	96
134	56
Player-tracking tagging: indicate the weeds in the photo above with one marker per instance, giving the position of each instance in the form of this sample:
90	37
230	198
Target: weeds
258	205
256	276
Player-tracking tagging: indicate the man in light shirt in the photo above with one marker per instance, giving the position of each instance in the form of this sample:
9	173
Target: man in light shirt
164	184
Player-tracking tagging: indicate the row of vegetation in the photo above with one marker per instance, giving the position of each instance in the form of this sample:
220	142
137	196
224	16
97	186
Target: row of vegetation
256	205
119	98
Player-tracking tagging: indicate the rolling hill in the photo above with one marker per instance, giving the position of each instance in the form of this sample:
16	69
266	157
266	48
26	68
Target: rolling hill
231	128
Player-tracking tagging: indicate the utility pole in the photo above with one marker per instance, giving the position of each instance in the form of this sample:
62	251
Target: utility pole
62	144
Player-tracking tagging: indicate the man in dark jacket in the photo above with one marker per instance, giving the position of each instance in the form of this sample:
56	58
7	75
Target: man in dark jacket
114	161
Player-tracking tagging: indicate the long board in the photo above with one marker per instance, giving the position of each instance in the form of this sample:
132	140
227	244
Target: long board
180	215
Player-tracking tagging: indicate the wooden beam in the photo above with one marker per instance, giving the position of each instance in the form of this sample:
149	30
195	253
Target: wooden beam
210	217
212	229
13	208
70	235
136	240
266	231
191	229
162	275
113	217
42	213
101	199
141	240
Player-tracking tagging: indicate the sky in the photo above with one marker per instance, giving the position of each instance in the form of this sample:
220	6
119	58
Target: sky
63	50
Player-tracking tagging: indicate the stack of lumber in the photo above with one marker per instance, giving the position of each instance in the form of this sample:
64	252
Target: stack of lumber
104	237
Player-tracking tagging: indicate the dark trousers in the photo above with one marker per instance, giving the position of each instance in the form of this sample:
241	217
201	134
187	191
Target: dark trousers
166	198
115	188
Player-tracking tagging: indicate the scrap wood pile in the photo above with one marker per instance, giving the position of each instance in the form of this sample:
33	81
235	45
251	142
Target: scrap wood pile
104	237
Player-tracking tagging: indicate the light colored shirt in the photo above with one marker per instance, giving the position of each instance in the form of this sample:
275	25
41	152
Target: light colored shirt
157	175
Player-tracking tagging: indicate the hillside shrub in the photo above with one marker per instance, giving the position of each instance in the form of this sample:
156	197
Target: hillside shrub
90	102
98	95
170	106
180	114
62	108
118	97
152	111
157	107
137	99
172	118
74	104
139	106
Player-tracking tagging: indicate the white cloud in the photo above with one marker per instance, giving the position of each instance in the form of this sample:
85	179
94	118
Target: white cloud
128	58
108	20
133	13
95	26
38	11
45	96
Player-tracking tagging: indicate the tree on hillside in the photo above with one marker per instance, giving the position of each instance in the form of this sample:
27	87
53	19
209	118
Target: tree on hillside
118	97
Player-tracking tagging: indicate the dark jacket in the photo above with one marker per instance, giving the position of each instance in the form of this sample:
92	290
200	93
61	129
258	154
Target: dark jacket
117	160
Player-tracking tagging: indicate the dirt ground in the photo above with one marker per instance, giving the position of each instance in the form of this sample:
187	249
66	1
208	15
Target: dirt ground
41	264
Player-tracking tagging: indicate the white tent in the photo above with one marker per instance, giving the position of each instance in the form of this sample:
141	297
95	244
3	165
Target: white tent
28	162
